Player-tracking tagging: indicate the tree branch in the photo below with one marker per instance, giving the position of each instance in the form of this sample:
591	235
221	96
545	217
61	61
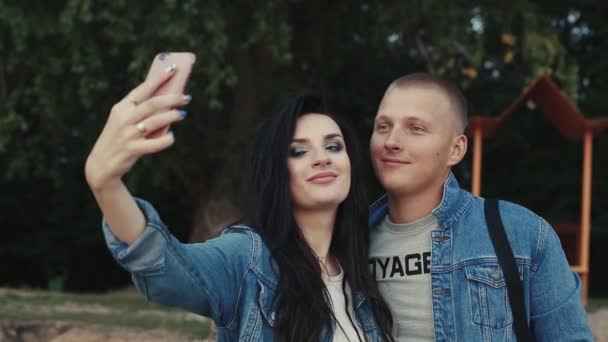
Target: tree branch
423	52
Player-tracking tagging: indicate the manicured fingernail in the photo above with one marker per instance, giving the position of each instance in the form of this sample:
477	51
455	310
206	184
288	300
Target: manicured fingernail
187	98
171	68
183	113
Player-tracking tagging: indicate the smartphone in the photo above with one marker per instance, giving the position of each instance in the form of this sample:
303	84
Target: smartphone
177	83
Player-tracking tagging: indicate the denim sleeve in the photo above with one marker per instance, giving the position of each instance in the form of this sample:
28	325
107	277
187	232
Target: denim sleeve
556	306
203	278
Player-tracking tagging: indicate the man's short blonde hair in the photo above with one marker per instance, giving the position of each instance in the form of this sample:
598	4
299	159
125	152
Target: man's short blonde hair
450	90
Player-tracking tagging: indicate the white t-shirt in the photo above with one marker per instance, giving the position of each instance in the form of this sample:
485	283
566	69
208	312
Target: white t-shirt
344	330
400	260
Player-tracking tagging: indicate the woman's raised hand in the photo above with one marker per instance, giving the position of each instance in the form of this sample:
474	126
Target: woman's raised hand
126	135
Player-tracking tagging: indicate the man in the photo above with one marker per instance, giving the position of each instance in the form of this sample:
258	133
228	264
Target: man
431	253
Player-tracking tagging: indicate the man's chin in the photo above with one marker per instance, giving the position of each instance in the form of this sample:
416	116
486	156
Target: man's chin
397	187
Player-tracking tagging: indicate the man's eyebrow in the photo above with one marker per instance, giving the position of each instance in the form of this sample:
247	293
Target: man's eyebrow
416	119
382	117
406	118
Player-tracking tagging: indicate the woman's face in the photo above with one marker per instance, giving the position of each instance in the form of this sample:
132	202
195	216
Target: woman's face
319	167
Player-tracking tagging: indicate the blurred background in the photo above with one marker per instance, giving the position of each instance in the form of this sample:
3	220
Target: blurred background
64	63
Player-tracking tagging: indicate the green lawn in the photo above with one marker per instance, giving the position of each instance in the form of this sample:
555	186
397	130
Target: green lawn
108	311
105	310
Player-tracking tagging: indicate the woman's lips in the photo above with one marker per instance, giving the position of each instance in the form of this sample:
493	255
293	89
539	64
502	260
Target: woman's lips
322	178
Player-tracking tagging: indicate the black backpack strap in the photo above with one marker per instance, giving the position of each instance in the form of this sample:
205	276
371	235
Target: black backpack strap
509	269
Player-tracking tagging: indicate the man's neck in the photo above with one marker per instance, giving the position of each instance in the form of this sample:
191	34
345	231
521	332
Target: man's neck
410	207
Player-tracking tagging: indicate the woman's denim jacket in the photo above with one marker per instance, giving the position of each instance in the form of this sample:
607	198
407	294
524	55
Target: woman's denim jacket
231	279
469	296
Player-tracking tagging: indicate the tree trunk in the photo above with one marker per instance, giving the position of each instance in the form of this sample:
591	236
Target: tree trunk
216	208
211	215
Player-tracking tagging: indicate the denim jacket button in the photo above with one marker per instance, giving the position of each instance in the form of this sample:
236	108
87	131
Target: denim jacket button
441	292
496	275
272	315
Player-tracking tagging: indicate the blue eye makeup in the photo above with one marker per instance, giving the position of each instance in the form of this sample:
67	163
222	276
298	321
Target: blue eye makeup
297	151
334	146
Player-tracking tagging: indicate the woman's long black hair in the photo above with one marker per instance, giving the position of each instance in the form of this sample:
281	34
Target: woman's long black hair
303	310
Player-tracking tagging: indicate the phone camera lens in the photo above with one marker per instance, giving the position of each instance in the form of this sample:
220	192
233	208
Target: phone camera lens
163	55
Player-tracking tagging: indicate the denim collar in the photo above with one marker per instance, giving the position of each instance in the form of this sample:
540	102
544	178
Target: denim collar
454	203
272	280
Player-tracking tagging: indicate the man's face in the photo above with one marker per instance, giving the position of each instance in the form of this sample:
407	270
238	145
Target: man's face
414	139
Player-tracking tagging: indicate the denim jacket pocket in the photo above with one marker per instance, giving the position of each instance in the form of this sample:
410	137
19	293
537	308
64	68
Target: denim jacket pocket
267	303
488	295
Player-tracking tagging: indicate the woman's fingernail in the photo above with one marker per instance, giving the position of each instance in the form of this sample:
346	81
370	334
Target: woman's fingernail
183	113
171	68
187	98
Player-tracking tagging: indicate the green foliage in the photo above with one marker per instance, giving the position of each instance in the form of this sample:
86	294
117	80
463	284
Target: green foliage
63	64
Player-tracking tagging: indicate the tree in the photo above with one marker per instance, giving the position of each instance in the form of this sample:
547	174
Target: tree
64	63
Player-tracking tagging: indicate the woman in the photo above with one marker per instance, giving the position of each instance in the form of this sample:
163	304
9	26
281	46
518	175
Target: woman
296	268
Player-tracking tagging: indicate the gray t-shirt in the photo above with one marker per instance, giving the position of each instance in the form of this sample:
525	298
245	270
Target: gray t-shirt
400	260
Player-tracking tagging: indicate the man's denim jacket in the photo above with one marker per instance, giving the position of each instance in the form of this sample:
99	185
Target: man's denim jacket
469	296
231	279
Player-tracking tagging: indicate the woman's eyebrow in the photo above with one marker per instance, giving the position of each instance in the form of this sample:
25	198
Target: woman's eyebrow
326	137
333	135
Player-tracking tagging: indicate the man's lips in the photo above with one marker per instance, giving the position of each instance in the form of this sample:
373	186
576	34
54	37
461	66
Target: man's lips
393	161
322	178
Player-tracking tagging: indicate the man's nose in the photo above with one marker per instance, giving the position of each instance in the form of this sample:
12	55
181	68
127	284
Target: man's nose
393	142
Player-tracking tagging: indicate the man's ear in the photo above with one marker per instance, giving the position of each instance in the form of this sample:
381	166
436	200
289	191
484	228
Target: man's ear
458	150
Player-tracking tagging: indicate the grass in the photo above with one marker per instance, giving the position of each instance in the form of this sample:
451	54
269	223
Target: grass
131	311
105	310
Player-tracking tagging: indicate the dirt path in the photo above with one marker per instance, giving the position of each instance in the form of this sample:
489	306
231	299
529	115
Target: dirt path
599	324
11	331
